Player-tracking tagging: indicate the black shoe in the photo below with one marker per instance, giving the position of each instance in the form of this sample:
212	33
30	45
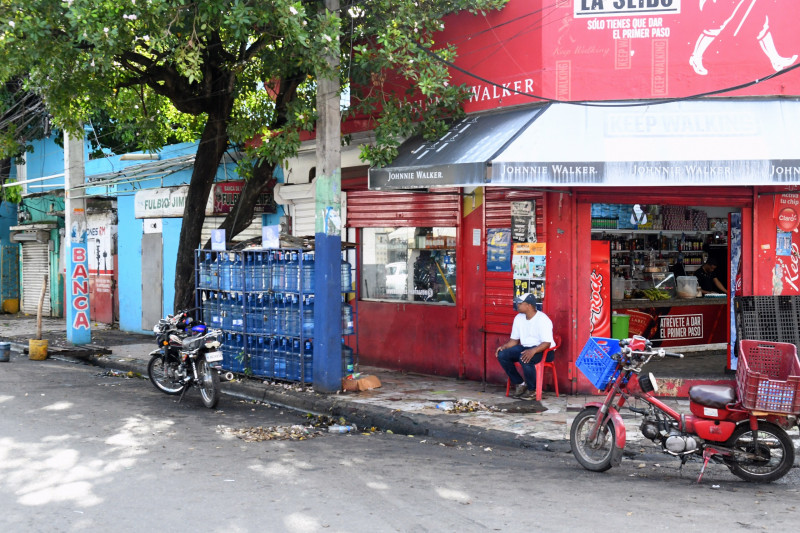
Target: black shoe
521	389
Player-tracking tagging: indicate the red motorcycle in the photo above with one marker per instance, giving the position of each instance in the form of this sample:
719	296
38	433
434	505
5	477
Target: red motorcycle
744	433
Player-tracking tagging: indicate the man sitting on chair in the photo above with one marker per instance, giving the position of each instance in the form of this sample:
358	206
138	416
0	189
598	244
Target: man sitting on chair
531	335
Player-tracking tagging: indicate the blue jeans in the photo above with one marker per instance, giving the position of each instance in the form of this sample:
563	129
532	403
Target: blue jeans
512	355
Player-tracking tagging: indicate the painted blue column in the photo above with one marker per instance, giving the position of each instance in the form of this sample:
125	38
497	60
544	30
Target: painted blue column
77	260
327	366
78	325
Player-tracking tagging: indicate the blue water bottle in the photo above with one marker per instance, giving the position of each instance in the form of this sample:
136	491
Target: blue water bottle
347	280
292	272
308	273
308	316
347	318
224	272
308	361
268	367
237	272
280	358
278	269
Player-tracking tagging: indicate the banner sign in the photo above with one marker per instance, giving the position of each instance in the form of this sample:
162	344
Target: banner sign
226	194
167	202
786	210
79	287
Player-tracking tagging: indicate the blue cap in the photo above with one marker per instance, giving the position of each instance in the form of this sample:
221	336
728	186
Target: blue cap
525	298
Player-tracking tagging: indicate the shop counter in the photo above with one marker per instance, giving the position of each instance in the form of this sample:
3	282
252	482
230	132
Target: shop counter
677	321
642	303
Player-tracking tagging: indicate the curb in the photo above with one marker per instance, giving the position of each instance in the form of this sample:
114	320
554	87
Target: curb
363	415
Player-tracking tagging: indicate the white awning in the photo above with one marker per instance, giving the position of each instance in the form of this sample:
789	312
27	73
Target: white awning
697	142
694	142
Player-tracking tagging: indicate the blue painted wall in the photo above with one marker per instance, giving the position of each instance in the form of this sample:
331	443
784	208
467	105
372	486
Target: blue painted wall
129	254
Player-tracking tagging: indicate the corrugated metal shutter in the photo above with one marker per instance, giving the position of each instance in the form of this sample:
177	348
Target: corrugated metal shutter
376	209
303	217
35	265
251	232
499	286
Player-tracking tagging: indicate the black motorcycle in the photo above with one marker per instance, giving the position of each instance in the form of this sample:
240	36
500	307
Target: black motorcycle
188	356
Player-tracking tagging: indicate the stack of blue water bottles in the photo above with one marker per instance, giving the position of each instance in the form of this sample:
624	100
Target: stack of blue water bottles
263	300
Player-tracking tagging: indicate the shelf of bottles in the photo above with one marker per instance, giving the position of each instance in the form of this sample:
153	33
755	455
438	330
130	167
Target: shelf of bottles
263	301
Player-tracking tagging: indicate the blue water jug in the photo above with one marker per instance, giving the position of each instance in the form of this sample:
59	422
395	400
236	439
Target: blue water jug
308	361
276	314
293	361
267	366
307	273
237	312
280	358
292	272
347	359
308	316
293	316
347	279
266	271
348	325
237	272
278	270
224	272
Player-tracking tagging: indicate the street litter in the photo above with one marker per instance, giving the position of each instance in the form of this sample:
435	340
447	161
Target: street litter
462	406
259	433
110	373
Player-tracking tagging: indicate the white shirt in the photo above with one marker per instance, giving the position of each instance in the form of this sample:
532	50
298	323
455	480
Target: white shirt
532	332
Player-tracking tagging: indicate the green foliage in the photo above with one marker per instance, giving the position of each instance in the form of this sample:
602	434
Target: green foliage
152	69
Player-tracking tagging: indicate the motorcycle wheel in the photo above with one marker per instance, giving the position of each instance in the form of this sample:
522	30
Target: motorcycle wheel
208	380
775	448
159	373
594	457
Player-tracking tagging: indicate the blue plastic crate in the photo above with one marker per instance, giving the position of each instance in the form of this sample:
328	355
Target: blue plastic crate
595	360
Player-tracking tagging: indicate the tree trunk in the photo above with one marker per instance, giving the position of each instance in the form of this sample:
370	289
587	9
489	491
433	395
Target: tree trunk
213	144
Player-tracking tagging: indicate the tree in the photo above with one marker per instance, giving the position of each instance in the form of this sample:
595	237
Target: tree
230	73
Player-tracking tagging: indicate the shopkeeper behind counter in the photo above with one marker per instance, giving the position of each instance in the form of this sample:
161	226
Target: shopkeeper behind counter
707	278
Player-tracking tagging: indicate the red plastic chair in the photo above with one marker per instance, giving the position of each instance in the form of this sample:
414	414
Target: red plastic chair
540	367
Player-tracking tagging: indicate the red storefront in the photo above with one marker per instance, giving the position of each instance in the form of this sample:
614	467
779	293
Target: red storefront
706	159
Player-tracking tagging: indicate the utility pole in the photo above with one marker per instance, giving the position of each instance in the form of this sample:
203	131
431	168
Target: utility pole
327	367
77	260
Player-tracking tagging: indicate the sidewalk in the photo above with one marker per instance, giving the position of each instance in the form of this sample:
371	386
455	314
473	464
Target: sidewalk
406	403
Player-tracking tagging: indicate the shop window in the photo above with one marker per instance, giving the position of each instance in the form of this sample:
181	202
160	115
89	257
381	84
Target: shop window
409	264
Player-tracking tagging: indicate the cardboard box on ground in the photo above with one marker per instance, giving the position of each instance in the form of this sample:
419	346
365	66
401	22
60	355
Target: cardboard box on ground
360	384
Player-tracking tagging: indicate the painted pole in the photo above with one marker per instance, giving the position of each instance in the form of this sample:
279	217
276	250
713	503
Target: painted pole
77	260
327	366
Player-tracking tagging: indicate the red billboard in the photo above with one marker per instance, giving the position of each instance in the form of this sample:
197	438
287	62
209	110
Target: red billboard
626	49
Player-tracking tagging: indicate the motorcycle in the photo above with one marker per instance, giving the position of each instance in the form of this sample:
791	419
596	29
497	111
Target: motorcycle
752	444
188	356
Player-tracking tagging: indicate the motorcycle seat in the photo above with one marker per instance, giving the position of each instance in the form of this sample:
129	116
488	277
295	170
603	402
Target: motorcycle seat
717	396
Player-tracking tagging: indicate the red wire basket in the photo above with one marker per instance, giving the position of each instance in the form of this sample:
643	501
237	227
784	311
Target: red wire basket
768	376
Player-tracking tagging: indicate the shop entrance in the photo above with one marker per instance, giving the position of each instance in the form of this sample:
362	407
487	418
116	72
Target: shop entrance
671	276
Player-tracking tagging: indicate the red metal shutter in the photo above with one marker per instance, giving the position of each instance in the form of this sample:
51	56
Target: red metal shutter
499	286
376	209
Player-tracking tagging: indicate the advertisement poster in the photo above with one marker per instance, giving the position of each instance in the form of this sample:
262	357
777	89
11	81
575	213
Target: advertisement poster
638	48
523	221
786	275
498	250
600	281
529	260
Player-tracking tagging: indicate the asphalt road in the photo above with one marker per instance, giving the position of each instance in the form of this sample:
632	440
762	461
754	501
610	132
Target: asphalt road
84	451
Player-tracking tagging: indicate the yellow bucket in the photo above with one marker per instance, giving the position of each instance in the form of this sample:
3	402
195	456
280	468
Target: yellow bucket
37	349
11	305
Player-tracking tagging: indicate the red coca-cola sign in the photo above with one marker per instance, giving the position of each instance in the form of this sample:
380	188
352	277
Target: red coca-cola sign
599	309
786	211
